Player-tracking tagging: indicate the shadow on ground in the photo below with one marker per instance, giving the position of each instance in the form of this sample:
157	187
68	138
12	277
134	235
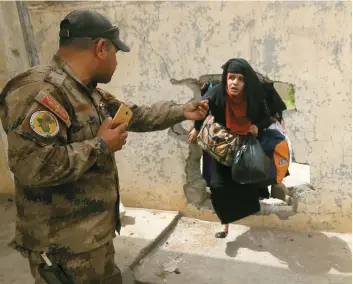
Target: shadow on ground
127	220
317	254
247	255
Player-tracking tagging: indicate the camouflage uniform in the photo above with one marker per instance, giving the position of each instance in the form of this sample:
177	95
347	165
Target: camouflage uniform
67	185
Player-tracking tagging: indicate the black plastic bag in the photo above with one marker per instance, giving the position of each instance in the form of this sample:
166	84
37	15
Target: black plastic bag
250	164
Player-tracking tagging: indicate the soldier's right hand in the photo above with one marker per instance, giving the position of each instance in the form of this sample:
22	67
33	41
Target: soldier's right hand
115	138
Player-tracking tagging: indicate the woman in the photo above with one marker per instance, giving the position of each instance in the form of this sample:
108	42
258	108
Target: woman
238	104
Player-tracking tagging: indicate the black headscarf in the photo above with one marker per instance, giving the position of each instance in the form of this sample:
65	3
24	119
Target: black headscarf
254	92
236	67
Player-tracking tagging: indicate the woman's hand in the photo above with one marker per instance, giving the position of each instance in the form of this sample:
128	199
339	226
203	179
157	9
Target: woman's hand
253	130
192	136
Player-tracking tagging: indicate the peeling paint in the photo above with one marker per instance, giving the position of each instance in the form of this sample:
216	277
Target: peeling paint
270	55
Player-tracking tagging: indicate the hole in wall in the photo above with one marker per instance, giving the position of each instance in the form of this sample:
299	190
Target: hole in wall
195	188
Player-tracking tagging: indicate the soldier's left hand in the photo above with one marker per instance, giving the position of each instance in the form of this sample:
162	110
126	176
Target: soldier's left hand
196	110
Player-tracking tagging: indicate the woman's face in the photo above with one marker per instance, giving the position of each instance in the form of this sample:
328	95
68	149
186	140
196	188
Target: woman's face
235	84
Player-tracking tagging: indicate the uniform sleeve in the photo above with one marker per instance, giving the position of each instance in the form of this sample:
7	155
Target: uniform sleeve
158	116
38	151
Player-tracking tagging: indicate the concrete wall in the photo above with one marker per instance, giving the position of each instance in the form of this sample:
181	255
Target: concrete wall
6	182
303	43
3	67
14	59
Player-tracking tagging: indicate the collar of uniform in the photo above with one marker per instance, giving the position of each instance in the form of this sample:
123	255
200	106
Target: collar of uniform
60	65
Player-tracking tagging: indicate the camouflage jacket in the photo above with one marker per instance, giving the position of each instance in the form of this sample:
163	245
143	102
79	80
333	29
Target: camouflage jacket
67	187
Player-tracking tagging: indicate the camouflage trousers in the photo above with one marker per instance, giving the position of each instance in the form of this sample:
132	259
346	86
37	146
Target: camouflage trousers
93	267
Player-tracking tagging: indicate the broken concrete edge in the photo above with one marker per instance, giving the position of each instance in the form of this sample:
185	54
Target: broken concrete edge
202	79
283	210
297	193
290	207
195	186
174	81
155	242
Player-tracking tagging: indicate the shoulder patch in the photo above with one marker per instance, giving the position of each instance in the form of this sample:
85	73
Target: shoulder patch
106	95
52	104
44	124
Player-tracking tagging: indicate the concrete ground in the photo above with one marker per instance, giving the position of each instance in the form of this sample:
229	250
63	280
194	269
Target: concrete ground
191	254
152	249
141	231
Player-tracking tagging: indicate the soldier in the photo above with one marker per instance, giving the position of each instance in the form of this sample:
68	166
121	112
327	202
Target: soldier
61	150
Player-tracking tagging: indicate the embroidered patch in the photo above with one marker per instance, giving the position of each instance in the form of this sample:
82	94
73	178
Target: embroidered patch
44	124
49	102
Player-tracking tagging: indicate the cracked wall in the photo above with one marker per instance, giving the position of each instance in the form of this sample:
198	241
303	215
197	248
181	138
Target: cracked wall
306	43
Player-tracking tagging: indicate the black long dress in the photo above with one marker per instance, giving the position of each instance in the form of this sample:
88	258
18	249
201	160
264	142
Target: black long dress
233	201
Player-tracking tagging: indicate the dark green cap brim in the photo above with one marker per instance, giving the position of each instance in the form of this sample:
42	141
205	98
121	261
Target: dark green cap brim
120	45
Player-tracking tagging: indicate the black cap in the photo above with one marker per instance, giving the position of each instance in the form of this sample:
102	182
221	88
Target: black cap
86	23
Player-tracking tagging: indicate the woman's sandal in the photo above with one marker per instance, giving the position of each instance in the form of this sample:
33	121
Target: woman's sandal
221	235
